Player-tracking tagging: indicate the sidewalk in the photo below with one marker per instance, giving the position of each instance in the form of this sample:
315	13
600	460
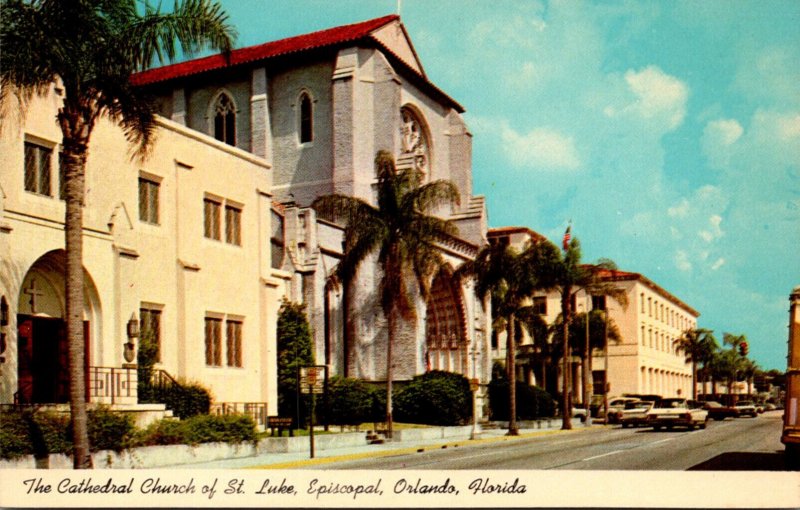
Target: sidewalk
325	457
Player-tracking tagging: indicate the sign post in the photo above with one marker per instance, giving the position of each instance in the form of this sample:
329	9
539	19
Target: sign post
312	381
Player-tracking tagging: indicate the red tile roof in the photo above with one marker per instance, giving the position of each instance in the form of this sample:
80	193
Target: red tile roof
323	38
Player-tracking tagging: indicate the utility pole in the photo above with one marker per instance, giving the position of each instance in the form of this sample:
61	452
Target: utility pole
587	390
605	372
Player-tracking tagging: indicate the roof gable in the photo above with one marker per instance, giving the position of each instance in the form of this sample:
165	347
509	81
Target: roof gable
393	37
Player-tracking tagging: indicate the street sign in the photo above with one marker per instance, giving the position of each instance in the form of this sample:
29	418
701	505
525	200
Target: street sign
312	379
474	384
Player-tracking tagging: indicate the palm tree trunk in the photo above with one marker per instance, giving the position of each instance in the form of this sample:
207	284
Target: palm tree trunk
511	345
694	380
566	405
392	325
75	154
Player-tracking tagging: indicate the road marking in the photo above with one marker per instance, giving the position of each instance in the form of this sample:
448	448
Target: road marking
661	441
603	455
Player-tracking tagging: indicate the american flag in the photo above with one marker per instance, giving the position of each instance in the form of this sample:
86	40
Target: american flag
567	237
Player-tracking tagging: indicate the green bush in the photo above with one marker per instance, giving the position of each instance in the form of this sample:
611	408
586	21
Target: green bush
31	433
109	430
352	402
162	432
231	428
190	399
532	401
435	398
14	436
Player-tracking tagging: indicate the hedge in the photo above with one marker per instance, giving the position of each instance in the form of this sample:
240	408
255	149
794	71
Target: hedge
434	398
352	402
532	401
43	433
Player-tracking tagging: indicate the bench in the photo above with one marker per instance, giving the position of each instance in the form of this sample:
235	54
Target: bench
279	423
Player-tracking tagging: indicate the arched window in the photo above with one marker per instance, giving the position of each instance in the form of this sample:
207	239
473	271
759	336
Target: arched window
306	118
446	347
225	119
415	140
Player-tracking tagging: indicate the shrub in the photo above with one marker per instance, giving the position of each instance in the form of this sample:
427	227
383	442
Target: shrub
14	436
532	401
187	400
162	432
231	428
31	433
109	430
351	401
435	398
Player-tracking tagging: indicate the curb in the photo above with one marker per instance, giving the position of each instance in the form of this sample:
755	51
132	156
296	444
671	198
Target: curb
414	449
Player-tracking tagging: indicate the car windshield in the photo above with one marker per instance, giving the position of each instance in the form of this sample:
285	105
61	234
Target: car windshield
669	403
713	404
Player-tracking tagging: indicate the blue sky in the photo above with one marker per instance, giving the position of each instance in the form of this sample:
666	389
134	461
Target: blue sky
667	132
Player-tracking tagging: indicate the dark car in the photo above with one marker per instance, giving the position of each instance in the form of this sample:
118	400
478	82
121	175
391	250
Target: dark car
718	411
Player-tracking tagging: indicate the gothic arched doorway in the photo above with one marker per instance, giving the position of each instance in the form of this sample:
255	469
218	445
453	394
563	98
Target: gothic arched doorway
445	328
42	349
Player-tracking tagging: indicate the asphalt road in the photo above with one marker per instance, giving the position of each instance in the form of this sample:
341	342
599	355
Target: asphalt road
733	444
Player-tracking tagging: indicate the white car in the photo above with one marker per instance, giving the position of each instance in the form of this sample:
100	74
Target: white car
635	413
746	408
677	412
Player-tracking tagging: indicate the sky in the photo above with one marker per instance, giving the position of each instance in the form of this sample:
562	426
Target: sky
667	133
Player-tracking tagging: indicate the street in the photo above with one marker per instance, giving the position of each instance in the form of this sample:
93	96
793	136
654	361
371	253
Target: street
732	444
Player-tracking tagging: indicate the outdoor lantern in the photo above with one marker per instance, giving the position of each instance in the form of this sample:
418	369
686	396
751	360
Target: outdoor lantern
133	333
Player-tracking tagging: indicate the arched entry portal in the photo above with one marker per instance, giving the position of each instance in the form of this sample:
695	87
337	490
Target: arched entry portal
446	327
42	350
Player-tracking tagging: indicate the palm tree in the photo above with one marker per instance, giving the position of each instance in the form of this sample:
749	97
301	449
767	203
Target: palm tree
577	338
564	272
698	346
92	47
403	235
739	360
501	272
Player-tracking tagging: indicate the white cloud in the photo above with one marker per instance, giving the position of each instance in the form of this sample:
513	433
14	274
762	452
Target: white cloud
718	264
682	261
714	231
679	211
725	131
540	147
719	137
657	97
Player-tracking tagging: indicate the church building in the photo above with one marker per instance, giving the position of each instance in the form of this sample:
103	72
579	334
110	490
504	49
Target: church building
318	107
197	244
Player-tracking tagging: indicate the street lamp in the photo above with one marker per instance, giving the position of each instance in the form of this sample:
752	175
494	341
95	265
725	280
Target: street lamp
474	384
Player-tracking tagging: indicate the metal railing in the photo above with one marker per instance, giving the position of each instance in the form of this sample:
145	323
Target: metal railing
111	383
256	410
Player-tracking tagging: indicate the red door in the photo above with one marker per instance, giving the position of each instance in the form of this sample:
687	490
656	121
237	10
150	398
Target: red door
43	367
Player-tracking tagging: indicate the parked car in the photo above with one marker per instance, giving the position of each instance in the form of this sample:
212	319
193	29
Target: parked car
677	412
615	407
746	408
718	411
635	413
770	406
579	413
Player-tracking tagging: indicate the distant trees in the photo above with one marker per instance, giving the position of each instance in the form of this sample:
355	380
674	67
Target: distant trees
698	345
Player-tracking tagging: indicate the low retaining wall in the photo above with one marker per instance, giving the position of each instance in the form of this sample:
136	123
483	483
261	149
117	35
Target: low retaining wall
171	455
431	433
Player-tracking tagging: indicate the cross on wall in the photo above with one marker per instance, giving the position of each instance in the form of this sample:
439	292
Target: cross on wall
33	292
